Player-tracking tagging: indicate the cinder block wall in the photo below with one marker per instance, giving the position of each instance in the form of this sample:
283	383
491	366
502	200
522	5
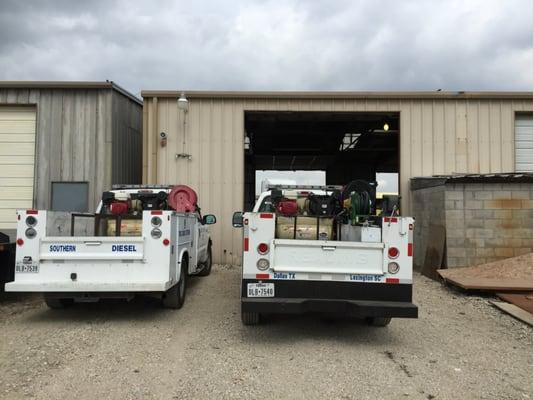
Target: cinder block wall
484	221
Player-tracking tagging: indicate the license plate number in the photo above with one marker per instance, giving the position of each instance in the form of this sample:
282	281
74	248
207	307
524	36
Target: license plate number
260	290
32	268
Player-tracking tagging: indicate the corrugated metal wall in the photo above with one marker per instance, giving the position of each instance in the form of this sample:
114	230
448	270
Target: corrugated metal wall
74	139
437	136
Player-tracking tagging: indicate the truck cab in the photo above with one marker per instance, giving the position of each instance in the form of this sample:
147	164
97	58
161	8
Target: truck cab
142	240
323	249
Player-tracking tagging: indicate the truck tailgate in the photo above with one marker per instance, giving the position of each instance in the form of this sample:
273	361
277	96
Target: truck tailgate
91	248
312	256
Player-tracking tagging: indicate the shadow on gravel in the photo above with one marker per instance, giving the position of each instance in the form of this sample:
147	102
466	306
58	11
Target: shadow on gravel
139	309
282	329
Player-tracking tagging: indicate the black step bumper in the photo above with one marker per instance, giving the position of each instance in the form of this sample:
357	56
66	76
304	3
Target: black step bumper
350	298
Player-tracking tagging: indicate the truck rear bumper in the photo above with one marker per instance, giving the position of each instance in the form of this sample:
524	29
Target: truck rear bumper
351	298
356	308
83	287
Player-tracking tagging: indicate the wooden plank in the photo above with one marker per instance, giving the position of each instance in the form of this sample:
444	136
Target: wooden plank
490	285
514	311
522	300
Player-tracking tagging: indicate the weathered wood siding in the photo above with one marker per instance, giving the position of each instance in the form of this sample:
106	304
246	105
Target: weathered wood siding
76	129
127	140
437	136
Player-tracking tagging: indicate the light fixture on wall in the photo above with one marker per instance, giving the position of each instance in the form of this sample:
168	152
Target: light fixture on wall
246	143
183	103
386	127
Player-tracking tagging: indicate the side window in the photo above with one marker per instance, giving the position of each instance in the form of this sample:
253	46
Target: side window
266	205
70	196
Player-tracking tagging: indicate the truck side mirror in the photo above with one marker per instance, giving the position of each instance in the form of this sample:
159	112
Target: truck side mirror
237	219
209	219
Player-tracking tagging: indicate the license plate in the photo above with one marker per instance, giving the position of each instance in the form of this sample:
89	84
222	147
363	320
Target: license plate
32	268
260	290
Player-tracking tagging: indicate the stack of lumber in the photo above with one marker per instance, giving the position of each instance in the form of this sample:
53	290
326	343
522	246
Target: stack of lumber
510	279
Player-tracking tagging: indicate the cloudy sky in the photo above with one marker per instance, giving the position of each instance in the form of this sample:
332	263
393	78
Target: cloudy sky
271	45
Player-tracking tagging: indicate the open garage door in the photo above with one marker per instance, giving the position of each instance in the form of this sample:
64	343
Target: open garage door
346	145
17	159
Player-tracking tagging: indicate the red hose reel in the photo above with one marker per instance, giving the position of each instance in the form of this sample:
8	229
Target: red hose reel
183	199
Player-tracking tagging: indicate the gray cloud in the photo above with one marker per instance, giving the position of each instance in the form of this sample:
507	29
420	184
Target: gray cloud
269	45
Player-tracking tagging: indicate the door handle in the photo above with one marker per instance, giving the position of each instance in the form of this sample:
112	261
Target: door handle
92	243
329	248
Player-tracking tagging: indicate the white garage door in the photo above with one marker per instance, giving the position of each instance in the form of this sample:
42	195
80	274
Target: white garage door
17	157
524	142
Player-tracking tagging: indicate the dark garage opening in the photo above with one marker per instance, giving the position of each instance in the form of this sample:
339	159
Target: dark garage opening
346	145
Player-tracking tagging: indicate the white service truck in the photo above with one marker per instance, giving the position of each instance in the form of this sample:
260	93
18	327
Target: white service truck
323	249
147	240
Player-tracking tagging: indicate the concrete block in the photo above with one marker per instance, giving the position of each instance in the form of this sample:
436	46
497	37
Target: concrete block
483	213
473	205
454	214
479	233
449	204
469	195
474	223
483	195
474	242
522	233
454	195
522	250
504	252
520	194
484	252
455	233
492	223
456	252
496	242
527	204
502	214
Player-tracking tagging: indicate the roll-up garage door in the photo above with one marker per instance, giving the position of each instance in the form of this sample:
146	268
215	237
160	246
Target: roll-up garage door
17	158
524	142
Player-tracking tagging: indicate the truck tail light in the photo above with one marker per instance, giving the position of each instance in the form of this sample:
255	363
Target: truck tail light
166	242
34	212
263	264
20	242
156	221
262	248
30	233
393	268
393	252
157	212
156	233
31	221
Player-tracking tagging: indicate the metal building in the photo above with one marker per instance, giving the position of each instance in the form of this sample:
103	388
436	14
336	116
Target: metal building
215	145
63	143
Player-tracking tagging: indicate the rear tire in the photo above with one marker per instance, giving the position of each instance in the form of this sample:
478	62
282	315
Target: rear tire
56	303
250	318
206	270
175	296
378	321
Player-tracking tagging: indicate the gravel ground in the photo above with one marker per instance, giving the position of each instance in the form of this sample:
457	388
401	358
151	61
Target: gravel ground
459	348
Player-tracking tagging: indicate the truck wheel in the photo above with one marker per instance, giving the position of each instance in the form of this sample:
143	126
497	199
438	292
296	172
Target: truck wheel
250	318
378	321
206	270
57	303
175	296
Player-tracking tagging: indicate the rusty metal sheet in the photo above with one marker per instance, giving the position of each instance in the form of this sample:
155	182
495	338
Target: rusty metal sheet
511	274
522	300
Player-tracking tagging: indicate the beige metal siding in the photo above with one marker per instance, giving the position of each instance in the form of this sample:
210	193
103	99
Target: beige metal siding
437	136
17	155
